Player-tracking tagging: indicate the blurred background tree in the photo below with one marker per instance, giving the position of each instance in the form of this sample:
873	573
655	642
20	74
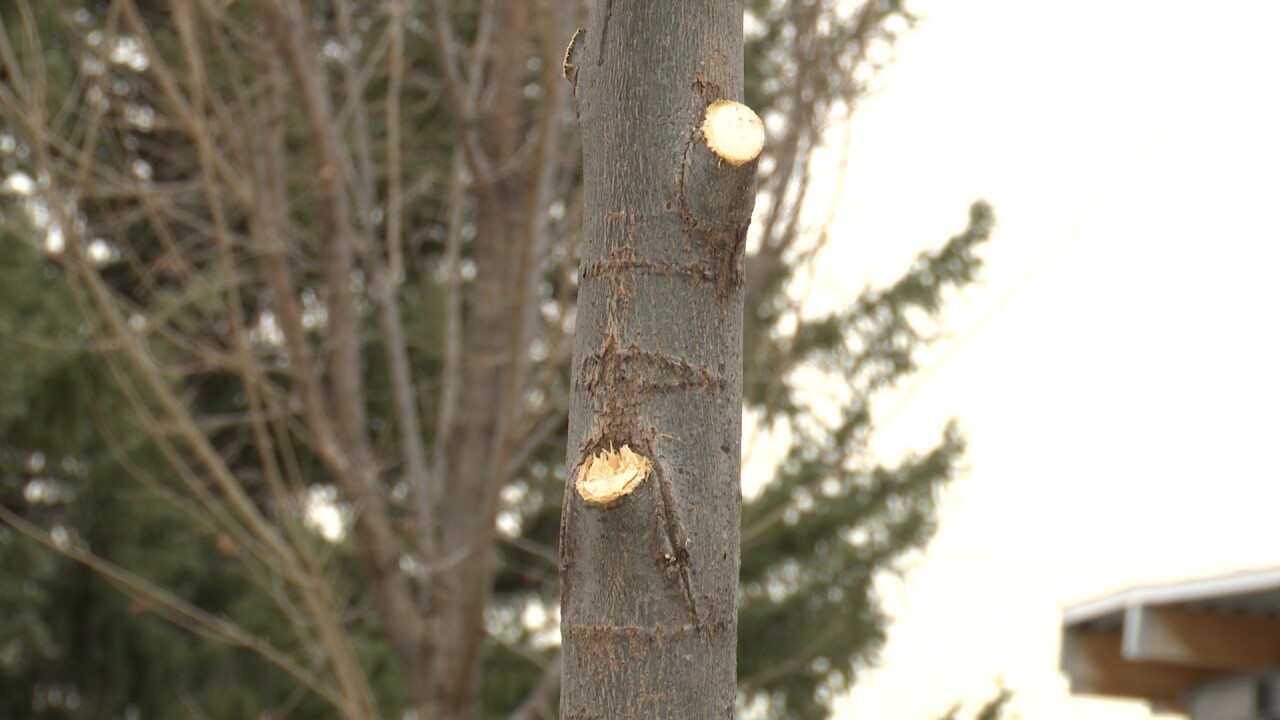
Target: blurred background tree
285	319
994	708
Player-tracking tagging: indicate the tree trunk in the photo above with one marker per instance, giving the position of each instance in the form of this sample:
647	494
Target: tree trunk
650	527
496	348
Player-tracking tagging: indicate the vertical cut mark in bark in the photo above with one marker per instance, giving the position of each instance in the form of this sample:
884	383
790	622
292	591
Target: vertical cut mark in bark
678	537
604	30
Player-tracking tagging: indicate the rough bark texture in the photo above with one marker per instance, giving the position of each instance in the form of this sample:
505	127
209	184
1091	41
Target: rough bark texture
649	583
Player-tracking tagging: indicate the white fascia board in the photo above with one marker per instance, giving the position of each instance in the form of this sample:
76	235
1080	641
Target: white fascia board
1242	583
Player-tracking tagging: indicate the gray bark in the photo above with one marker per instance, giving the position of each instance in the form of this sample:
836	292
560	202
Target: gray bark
649	582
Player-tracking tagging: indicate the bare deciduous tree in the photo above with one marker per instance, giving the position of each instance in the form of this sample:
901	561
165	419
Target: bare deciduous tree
336	247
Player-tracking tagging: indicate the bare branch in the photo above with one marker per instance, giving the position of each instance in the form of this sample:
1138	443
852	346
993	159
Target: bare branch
9	59
399	9
462	94
353	468
178	101
383	291
208	516
181	613
450	374
260	536
362	177
538	703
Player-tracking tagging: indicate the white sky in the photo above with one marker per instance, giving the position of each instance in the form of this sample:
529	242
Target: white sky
1121	407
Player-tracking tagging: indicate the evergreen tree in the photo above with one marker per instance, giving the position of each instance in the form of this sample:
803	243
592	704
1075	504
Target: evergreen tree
185	183
993	709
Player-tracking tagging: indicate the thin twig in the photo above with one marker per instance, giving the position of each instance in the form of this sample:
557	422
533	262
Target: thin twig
178	611
451	372
537	704
354	467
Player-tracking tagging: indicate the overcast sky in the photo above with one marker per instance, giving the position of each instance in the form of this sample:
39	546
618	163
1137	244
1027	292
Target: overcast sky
1120	400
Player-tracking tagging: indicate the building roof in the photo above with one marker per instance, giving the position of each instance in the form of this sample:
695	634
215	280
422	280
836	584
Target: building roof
1160	642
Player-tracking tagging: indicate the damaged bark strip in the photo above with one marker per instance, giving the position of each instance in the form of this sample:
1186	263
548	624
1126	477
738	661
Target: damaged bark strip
650	527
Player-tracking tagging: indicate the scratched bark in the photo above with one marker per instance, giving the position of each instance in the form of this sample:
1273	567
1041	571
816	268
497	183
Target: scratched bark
649	618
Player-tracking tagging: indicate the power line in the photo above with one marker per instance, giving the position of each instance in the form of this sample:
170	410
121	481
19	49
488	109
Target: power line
1080	221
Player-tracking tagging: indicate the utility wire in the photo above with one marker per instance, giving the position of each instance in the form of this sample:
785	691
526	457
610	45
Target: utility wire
1080	222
